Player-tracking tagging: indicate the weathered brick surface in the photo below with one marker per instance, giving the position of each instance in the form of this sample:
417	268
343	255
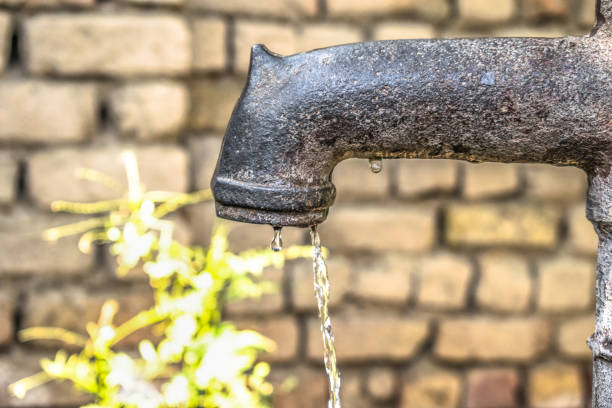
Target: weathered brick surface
46	112
587	13
566	284
402	228
5	43
403	30
573	334
204	152
325	35
556	385
581	235
209	44
388	280
428	386
546	182
530	31
518	225
381	337
269	8
485	11
505	284
381	383
351	392
107	44
492	387
443	282
486	180
52	173
150	110
490	339
545	8
415	177
430	10
302	286
282	330
212	102
24	251
7	316
309	390
355	181
8	178
280	38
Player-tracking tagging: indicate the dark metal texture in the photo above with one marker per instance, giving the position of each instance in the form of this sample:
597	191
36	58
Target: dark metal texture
503	99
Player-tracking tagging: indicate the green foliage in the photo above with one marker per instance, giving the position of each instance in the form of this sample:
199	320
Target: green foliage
199	360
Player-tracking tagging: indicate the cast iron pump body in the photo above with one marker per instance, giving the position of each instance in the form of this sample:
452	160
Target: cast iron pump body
499	99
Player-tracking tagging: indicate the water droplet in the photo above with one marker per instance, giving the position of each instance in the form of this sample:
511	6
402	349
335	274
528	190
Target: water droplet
376	165
277	242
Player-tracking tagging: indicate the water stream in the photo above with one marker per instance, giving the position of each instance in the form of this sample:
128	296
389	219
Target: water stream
321	288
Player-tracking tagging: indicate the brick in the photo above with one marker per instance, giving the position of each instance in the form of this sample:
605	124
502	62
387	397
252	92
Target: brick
150	110
487	339
282	330
20	363
386	280
204	152
323	35
381	337
492	388
418	177
46	112
280	38
485	11
351	392
381	384
212	102
24	251
299	387
443	282
547	182
46	4
505	283
267	303
573	334
302	289
268	8
209	44
487	180
431	387
7	317
535	9
555	385
8	178
72	307
402	228
52	173
434	10
586	15
402	30
565	284
581	235
107	44
155	2
513	224
354	181
5	39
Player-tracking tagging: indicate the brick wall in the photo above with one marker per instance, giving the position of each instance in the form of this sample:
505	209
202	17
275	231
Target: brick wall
454	285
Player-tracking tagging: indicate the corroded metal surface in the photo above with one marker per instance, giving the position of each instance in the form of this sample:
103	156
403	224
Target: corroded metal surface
501	99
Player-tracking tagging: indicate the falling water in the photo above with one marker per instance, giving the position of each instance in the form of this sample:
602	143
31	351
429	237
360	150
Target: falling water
277	242
321	288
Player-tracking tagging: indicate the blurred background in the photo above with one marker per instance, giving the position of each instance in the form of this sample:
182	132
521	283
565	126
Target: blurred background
453	284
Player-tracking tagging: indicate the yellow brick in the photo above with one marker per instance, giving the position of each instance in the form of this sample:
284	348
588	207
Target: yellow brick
505	284
434	10
212	102
547	182
402	30
443	282
209	44
519	225
431	387
267	8
490	339
556	385
354	181
386	280
573	335
486	180
582	237
283	330
566	284
486	11
416	177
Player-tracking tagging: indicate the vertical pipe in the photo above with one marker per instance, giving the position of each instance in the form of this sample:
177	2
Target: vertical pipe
599	212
